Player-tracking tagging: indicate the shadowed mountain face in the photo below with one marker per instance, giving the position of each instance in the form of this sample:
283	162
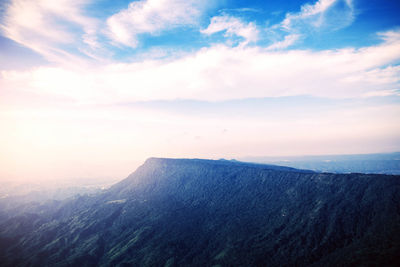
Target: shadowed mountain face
179	212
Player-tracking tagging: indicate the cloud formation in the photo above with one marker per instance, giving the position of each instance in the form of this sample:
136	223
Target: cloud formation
219	72
333	14
152	16
222	72
323	15
47	27
233	27
285	43
63	32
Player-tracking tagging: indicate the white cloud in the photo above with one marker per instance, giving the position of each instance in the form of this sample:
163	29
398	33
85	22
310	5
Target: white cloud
233	26
45	26
326	14
322	15
390	36
287	41
221	73
152	16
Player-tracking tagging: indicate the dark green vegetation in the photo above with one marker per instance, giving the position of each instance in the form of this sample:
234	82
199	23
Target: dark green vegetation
214	213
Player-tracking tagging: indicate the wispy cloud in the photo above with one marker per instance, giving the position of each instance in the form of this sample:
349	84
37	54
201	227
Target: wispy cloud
332	14
241	10
233	27
287	41
62	31
152	16
222	72
46	27
323	15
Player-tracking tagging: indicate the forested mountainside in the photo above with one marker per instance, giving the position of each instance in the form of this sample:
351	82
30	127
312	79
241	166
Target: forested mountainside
190	212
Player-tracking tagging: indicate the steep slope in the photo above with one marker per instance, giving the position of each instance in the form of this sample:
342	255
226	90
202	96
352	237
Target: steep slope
179	212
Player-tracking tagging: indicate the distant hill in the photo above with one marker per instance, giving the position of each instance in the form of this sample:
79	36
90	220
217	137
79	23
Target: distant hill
388	163
183	212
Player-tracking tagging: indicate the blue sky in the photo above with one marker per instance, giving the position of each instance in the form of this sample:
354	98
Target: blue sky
92	88
346	24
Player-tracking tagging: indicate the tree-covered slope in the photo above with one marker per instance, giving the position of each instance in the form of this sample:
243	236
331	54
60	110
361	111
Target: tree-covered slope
179	212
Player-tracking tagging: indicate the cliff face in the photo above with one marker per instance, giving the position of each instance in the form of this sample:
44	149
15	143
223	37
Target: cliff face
181	212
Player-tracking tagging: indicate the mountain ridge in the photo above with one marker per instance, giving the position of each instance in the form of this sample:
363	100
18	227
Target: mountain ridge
194	212
379	163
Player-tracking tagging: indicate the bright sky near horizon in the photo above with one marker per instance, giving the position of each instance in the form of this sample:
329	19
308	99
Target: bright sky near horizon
93	88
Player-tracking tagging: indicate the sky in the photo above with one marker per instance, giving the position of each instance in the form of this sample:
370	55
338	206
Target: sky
93	88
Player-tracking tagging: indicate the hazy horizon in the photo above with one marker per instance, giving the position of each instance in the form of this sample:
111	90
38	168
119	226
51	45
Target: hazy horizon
91	89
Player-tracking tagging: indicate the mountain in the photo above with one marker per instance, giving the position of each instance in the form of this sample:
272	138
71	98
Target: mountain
192	212
382	163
